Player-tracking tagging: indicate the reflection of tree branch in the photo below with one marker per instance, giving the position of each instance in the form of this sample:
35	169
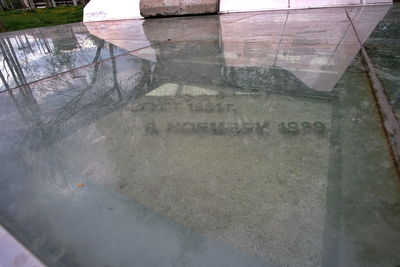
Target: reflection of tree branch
30	103
13	64
16	62
114	71
67	110
7	58
101	105
69	106
73	107
4	81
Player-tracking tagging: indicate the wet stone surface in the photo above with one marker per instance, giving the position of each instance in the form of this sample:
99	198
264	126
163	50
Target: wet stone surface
234	140
382	46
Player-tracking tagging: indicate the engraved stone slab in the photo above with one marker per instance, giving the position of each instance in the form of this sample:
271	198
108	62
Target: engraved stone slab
228	165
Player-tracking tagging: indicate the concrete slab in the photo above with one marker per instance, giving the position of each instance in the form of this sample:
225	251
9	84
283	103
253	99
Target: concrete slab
14	254
159	8
257	5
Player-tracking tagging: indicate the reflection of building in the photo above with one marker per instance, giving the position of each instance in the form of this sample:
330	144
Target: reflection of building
293	53
304	44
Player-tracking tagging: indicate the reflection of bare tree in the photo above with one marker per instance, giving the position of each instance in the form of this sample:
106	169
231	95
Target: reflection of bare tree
41	53
4	80
114	71
63	103
96	98
16	50
69	109
29	109
6	4
30	104
12	61
26	104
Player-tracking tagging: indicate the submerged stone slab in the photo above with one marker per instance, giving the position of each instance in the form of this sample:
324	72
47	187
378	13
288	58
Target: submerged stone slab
235	140
155	8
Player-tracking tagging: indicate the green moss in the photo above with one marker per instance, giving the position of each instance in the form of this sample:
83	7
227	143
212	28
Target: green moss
13	20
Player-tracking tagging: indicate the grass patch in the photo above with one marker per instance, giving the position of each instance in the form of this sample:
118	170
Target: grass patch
13	20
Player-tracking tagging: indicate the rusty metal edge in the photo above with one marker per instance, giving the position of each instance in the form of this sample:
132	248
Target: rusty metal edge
390	123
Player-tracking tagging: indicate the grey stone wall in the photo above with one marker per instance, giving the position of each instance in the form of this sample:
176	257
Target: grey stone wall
156	8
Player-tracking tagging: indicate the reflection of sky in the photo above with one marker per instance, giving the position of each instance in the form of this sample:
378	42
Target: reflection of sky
40	57
303	43
306	45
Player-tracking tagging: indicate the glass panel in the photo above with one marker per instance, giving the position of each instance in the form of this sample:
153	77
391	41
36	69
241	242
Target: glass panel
30	55
235	140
